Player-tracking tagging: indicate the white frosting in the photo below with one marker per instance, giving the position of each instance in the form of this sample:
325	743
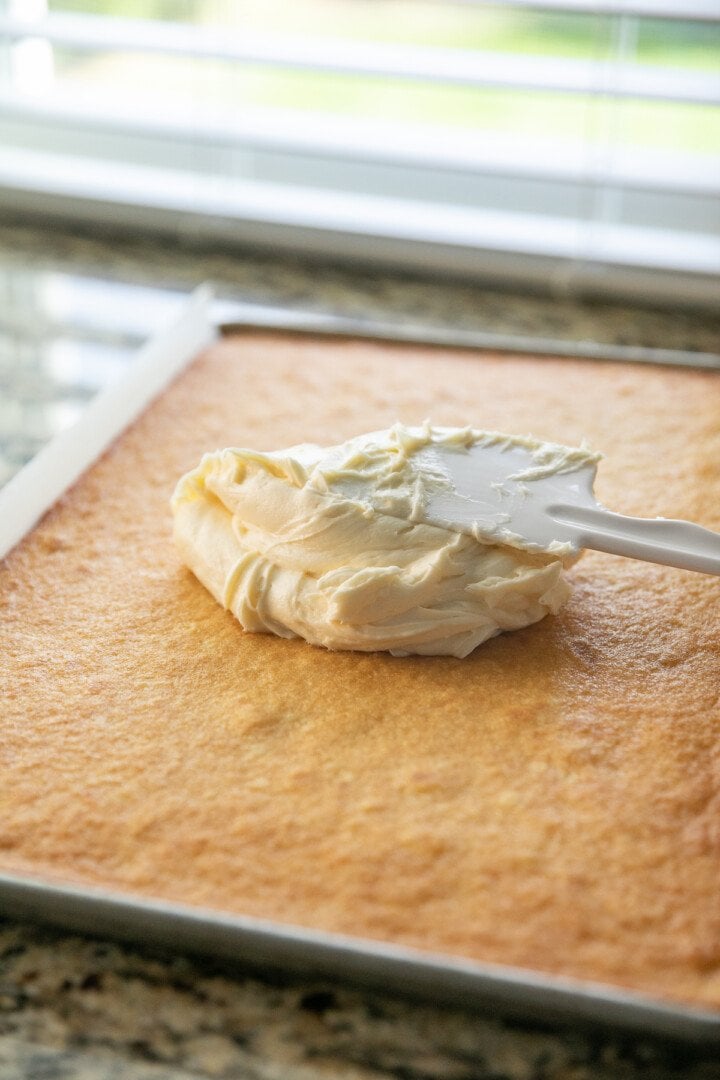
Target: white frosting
290	544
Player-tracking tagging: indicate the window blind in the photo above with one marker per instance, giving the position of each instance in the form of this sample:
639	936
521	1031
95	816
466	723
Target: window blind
567	145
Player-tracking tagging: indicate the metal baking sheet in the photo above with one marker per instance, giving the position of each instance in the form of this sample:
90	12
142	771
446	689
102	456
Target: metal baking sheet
231	316
258	943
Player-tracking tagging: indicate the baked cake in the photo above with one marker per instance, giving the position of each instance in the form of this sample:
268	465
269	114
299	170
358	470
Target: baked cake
551	801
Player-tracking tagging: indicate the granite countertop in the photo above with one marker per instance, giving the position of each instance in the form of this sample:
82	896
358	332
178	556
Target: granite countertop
72	1007
27	253
77	1007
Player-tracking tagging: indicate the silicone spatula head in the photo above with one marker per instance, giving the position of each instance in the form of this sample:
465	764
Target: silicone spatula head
514	490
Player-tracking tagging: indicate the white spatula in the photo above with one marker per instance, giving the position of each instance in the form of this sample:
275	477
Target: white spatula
496	491
499	491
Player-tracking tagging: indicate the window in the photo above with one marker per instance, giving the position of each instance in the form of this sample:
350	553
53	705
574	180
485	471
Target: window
570	144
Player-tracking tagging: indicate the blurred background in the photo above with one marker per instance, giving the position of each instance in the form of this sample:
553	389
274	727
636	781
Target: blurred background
538	176
572	145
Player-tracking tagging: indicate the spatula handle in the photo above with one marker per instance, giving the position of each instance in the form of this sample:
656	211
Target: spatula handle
660	540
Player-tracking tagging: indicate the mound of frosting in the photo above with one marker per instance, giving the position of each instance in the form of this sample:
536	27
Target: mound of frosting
281	541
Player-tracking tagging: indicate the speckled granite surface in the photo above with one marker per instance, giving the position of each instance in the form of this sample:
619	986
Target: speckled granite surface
75	1007
71	1007
342	290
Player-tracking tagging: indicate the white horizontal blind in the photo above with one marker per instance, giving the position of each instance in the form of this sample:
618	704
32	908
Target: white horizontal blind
568	143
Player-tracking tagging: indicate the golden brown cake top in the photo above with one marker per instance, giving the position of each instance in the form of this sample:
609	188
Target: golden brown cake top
550	801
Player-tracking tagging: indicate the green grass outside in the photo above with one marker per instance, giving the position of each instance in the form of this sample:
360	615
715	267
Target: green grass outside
660	125
433	22
227	91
